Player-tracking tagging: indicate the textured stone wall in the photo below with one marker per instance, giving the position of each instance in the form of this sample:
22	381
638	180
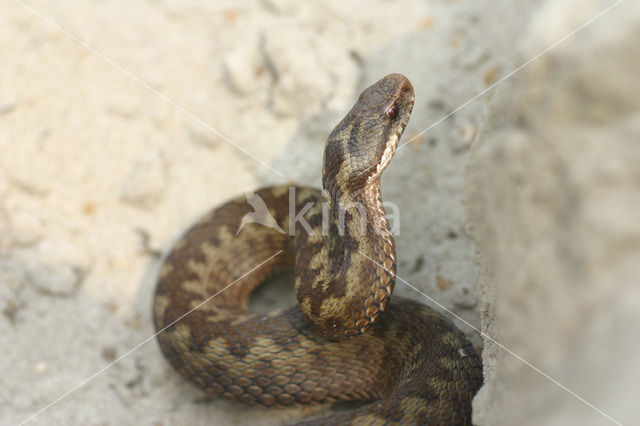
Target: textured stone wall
108	153
553	197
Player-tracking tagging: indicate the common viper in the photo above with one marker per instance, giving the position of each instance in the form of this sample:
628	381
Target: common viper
345	340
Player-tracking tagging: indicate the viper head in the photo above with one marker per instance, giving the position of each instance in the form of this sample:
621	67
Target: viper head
362	144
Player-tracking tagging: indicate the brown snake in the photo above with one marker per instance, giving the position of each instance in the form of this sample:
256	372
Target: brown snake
345	340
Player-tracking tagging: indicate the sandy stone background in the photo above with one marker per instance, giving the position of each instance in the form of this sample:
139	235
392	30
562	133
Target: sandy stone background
553	199
122	122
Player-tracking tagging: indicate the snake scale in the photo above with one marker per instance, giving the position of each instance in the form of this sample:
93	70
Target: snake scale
345	340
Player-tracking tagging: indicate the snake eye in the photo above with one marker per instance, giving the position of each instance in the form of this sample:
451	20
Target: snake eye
392	112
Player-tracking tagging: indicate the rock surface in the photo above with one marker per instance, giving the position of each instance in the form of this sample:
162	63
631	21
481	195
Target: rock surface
110	152
553	199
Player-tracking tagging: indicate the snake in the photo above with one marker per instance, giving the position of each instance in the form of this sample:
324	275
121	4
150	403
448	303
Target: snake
345	339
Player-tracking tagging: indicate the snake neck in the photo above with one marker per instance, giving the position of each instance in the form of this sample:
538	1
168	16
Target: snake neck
348	283
358	229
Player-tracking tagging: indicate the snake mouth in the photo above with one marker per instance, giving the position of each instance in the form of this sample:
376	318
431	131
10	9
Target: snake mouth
387	155
393	139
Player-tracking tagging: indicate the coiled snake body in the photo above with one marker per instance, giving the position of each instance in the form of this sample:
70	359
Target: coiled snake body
345	340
